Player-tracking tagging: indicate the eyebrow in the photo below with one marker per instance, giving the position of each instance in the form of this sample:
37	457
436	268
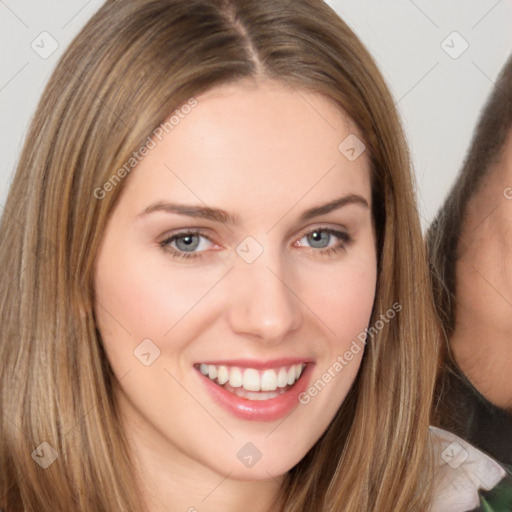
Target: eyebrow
218	215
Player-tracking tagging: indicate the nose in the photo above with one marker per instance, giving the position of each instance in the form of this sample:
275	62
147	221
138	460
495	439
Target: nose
263	303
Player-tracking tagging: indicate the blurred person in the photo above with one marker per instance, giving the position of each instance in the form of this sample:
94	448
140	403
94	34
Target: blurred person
470	250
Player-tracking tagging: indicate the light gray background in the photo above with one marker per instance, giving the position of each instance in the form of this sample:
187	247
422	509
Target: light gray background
439	96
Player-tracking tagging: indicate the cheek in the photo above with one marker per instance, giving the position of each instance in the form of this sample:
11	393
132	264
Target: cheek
343	299
138	299
146	298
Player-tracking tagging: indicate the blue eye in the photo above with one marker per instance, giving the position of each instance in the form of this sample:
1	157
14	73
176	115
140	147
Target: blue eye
188	243
185	244
321	238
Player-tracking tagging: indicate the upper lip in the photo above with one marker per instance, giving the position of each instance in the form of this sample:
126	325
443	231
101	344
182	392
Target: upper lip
258	364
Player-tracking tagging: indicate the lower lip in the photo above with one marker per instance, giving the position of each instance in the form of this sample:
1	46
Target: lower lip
259	410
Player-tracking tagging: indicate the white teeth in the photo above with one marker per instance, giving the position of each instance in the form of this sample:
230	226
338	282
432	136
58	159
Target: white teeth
212	372
253	380
269	380
291	375
223	375
235	378
282	378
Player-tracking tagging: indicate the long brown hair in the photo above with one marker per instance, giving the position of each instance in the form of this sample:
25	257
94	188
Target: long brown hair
131	66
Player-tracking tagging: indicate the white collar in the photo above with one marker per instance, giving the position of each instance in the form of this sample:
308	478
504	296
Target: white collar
462	470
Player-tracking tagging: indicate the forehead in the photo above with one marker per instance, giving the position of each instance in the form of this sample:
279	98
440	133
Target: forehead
258	144
490	205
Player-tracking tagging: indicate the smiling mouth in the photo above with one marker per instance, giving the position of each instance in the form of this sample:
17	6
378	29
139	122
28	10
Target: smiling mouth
253	384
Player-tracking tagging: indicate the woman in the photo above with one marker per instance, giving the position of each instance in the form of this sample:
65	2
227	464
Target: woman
215	291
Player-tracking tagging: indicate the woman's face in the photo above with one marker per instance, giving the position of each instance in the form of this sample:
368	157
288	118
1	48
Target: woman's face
242	247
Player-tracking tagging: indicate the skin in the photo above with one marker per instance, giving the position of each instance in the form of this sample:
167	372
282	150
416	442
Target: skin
482	340
265	153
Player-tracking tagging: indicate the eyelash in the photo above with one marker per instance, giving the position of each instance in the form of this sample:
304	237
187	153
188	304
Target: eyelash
345	238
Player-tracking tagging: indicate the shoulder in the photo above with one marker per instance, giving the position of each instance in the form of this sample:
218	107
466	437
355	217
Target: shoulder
462	473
